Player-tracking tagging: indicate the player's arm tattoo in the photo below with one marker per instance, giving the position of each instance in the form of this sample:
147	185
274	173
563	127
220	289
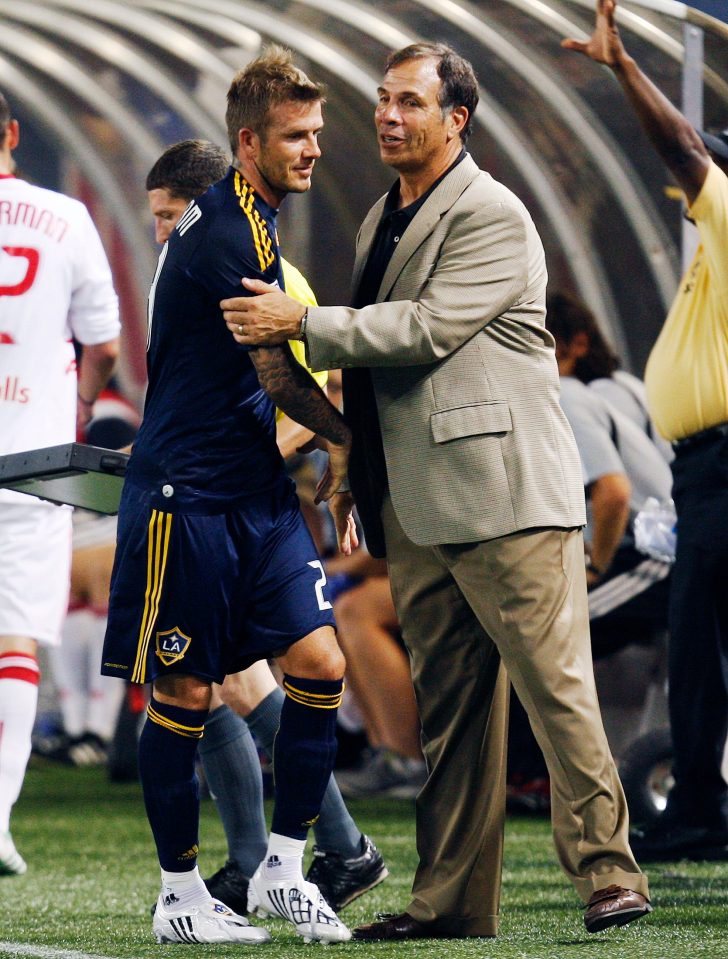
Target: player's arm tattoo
296	392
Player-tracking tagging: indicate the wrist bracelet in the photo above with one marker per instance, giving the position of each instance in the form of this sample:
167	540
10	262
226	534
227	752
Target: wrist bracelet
302	328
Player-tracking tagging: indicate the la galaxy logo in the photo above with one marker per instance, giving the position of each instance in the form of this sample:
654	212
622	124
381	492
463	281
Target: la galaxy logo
172	644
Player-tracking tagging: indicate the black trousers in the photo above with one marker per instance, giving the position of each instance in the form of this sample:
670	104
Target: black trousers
698	624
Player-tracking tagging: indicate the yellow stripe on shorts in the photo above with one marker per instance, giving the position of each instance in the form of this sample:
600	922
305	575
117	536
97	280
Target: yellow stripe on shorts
160	526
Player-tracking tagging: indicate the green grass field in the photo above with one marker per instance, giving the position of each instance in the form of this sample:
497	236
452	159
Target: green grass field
92	877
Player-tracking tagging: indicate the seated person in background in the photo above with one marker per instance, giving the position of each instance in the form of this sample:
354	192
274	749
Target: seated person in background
620	462
346	862
585	354
621	466
621	469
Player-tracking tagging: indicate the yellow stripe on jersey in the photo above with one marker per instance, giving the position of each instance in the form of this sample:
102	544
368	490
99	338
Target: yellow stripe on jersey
160	526
264	246
315	700
191	732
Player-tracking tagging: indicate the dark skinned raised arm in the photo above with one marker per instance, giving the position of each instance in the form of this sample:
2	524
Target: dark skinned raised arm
293	390
672	135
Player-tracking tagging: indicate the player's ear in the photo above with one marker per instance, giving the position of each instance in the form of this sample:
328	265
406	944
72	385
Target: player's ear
248	141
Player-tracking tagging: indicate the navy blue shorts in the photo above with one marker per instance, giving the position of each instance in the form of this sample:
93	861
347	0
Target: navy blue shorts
209	595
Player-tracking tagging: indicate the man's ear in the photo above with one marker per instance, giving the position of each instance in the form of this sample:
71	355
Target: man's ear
458	121
12	135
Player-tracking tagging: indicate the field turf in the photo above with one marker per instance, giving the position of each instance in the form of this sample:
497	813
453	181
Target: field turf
92	877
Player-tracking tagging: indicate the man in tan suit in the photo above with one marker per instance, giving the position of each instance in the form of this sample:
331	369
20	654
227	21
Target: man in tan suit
466	475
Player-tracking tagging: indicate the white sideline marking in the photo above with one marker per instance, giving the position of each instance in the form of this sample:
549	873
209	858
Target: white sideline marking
44	952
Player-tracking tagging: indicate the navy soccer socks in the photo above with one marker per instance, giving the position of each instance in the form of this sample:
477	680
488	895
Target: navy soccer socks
335	830
167	750
304	752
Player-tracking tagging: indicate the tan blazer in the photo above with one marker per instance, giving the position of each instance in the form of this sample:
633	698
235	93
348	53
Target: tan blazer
464	373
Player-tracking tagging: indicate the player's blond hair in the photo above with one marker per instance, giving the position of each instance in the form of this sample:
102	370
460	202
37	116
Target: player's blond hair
264	83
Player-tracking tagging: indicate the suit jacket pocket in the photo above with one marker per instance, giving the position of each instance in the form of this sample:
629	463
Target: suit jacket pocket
471	420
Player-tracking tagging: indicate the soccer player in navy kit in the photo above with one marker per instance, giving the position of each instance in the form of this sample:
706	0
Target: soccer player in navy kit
215	568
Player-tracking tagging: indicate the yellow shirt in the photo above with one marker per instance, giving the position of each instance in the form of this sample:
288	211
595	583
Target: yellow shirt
687	372
298	288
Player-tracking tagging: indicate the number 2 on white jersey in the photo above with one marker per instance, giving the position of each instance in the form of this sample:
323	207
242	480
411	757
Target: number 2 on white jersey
32	259
319	584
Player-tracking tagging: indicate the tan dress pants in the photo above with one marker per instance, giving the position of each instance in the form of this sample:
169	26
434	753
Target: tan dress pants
466	611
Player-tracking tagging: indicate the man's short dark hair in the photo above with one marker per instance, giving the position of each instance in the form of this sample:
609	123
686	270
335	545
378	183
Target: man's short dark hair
270	80
459	85
5	115
567	315
188	168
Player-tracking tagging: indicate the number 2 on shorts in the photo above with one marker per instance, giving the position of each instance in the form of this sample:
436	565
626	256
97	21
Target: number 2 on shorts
323	603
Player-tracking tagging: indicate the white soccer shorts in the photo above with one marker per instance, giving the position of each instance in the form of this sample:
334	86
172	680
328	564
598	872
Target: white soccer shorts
35	569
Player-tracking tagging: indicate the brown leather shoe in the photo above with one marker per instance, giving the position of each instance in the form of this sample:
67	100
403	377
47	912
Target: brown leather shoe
401	926
614	906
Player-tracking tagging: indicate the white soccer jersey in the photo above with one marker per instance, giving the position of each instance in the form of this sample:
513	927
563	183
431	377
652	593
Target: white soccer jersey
55	284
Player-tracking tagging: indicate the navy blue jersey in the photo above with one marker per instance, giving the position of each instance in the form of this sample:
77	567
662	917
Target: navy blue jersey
207	439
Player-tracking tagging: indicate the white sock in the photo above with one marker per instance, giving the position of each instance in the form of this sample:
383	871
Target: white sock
19	678
284	857
71	669
105	693
183	889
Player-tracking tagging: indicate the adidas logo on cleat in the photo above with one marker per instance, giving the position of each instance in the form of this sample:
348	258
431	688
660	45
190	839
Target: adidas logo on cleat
206	922
170	899
184	929
299	902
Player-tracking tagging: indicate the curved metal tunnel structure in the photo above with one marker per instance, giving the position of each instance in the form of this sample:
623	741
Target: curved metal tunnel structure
102	87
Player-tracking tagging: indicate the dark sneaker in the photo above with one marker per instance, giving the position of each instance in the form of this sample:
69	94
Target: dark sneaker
230	886
88	750
665	843
384	774
343	880
54	747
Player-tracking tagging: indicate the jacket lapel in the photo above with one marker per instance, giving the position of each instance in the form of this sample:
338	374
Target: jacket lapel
426	219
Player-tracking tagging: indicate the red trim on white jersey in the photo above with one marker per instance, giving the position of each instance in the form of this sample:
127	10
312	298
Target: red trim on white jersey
23	666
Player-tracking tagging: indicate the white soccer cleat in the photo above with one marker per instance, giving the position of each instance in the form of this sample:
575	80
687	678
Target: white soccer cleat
11	862
211	921
299	902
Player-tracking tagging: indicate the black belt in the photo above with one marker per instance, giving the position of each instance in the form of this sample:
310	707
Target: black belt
704	436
